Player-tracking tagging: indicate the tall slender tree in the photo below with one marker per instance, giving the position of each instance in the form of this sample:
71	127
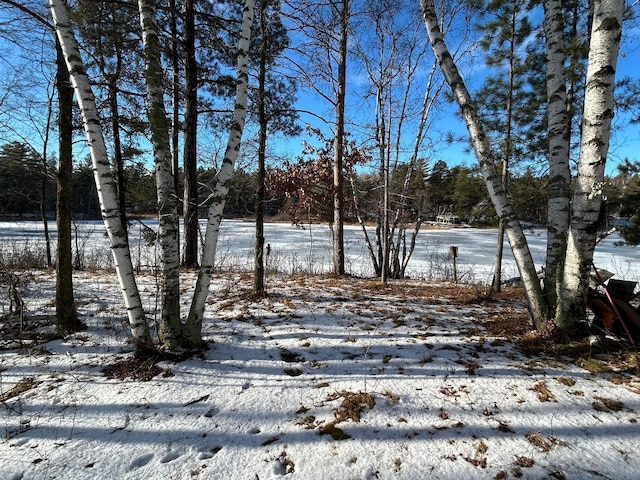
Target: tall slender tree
259	263
391	48
168	230
175	49
321	63
114	50
103	175
66	315
537	307
343	13
273	107
559	134
504	35
193	326
190	204
606	31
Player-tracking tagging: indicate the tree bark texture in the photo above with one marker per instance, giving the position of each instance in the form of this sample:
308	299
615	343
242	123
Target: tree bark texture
558	129
594	145
338	144
191	228
103	175
259	263
168	231
118	160
221	188
508	141
513	229
66	317
175	92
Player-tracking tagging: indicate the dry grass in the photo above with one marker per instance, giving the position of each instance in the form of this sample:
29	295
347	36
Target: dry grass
352	405
24	385
544	394
609	404
536	439
134	368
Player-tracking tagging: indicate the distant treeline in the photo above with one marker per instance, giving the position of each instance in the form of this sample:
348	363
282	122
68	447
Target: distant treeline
435	190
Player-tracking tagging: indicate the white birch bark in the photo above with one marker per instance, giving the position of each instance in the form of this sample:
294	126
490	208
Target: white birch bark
513	229
221	188
594	145
103	176
558	129
170	331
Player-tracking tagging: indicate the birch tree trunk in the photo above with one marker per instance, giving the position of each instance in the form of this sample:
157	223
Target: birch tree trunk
594	145
221	188
168	231
558	129
513	229
103	175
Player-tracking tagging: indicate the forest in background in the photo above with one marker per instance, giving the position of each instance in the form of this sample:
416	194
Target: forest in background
435	190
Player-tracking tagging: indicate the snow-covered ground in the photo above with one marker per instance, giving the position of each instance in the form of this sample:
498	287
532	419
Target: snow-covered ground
324	379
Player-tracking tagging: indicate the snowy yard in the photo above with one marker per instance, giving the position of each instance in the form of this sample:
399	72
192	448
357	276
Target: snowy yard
324	379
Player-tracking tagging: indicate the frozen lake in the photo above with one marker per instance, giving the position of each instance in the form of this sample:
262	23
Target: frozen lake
309	250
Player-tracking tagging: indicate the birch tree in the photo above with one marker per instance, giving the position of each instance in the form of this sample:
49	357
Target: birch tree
217	198
168	230
513	229
559	134
103	176
606	31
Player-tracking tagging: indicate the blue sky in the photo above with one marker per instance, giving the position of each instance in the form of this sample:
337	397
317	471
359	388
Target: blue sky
625	140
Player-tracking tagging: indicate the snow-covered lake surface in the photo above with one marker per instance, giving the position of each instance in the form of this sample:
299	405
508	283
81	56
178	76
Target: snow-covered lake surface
295	250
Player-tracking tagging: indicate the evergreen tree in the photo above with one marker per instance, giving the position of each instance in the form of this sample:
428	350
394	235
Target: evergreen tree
504	98
273	102
114	49
20	179
190	162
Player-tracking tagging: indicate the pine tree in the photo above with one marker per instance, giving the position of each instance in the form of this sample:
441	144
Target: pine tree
273	102
115	62
503	98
